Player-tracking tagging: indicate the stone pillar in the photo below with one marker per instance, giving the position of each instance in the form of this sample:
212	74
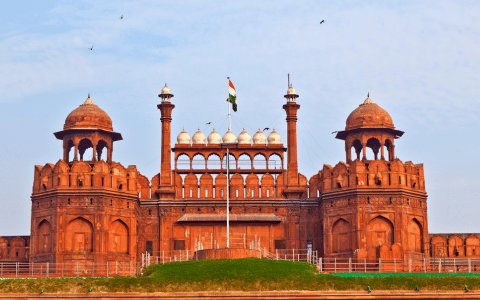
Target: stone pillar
382	146
292	164
75	158
364	145
166	190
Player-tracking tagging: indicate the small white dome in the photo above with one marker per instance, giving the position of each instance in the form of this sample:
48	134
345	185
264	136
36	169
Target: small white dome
259	137
214	137
291	91
229	137
244	137
199	137
183	137
274	137
165	89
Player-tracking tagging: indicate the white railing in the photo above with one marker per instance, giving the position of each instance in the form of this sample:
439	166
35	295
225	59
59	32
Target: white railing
66	269
404	265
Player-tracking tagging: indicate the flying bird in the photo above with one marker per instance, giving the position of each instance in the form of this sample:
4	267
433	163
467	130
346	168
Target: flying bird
334	132
121	18
90	48
323	21
209	123
266	128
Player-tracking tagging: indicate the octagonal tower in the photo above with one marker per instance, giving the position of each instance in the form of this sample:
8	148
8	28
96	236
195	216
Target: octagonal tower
374	208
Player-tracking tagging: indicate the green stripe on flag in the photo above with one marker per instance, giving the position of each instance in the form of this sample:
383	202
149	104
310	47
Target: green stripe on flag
233	100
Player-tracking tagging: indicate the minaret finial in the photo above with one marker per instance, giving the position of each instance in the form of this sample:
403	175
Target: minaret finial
288	81
88	95
368	95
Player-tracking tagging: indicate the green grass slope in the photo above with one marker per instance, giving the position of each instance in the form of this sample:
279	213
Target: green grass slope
250	274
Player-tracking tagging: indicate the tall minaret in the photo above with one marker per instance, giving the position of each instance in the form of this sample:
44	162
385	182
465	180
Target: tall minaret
293	188
166	190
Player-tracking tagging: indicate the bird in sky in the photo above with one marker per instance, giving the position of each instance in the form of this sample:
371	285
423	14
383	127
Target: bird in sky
334	132
266	128
121	18
90	48
323	21
209	123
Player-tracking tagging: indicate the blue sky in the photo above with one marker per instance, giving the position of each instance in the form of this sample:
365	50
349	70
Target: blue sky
419	61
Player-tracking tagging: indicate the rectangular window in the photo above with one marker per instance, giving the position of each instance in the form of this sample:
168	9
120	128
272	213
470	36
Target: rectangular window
179	245
268	193
252	193
206	193
149	247
236	193
280	244
191	192
221	193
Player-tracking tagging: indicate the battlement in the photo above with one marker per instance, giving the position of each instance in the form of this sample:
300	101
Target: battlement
372	173
85	175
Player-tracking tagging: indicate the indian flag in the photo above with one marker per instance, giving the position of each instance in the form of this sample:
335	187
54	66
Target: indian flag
232	95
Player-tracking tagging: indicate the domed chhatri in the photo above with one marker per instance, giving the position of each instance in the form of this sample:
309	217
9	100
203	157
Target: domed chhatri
291	91
229	137
165	90
183	137
199	137
214	138
88	115
369	115
259	137
274	137
244	137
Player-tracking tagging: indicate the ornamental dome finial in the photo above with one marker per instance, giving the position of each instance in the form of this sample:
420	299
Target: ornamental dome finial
229	137
183	137
214	137
259	137
199	137
244	137
274	138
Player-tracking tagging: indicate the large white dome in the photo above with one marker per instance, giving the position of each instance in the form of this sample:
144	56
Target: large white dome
229	137
274	137
244	137
259	137
214	137
183	137
199	137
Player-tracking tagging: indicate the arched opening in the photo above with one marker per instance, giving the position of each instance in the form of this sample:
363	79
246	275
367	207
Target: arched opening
373	144
244	162
79	236
472	244
44	237
70	151
341	236
275	162
183	162
101	154
259	161
357	145
414	236
83	146
118	237
198	162
213	161
379	232
231	161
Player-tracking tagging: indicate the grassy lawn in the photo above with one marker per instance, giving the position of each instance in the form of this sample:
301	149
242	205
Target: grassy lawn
250	274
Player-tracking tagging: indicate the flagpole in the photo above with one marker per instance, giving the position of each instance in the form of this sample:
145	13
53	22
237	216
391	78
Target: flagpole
228	178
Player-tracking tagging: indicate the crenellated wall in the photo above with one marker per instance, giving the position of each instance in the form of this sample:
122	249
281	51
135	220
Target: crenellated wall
84	211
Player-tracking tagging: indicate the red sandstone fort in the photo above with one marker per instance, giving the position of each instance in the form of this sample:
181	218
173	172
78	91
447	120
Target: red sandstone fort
89	209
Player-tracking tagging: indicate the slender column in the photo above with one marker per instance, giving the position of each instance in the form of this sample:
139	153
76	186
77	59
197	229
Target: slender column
94	157
364	151
392	152
348	150
109	154
382	146
65	153
76	153
291	109
166	109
